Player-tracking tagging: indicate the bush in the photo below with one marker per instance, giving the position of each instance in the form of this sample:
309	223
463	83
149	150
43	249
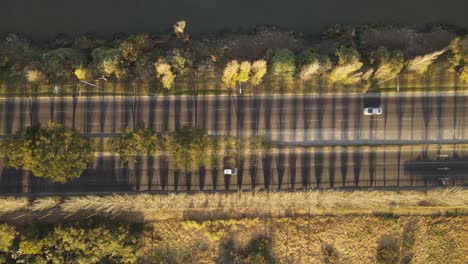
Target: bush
7	236
349	61
388	64
388	250
258	250
329	253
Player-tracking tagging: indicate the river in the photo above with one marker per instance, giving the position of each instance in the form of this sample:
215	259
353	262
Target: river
46	18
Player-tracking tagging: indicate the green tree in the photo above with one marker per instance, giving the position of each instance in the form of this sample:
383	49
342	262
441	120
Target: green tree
61	63
128	143
388	64
349	61
53	152
283	65
7	236
188	149
109	62
129	50
457	54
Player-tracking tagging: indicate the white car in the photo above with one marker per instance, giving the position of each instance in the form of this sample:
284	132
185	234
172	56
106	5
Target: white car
372	111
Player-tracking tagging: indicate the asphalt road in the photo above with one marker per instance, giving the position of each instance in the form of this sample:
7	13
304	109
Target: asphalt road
286	119
336	167
301	119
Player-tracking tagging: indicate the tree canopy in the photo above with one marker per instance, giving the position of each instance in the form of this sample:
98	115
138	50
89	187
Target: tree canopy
52	152
61	63
388	63
130	143
189	148
349	61
283	64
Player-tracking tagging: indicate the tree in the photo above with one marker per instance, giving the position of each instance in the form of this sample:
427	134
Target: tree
52	152
129	50
457	54
164	73
188	149
464	74
283	65
129	143
34	76
244	72
236	73
388	64
230	74
109	62
420	64
83	74
349	61
61	63
7	236
259	69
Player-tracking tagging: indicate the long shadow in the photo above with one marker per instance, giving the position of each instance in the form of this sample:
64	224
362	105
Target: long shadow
331	168
127	114
307	113
427	112
253	170
256	106
152	113
150	171
280	161
295	113
214	178
177	103
204	112
188	181
440	103
357	118
372	165
190	110
10	106
89	108
319	117
356	166
163	172
176	179
240	173
267	160
166	112
292	169
318	160
344	165
216	113
201	178
268	106
22	116
282	126
305	169
400	103
333	117
345	123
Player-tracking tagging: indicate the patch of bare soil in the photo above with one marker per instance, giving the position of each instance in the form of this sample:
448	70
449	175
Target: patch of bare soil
412	42
248	46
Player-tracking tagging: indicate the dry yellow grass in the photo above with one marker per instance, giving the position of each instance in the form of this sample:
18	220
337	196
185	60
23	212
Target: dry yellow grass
299	240
257	203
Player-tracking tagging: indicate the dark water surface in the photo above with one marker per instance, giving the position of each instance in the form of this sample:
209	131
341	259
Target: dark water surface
44	18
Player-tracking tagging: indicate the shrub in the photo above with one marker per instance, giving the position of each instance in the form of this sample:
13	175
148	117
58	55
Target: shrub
388	250
420	64
329	253
349	61
388	64
7	236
